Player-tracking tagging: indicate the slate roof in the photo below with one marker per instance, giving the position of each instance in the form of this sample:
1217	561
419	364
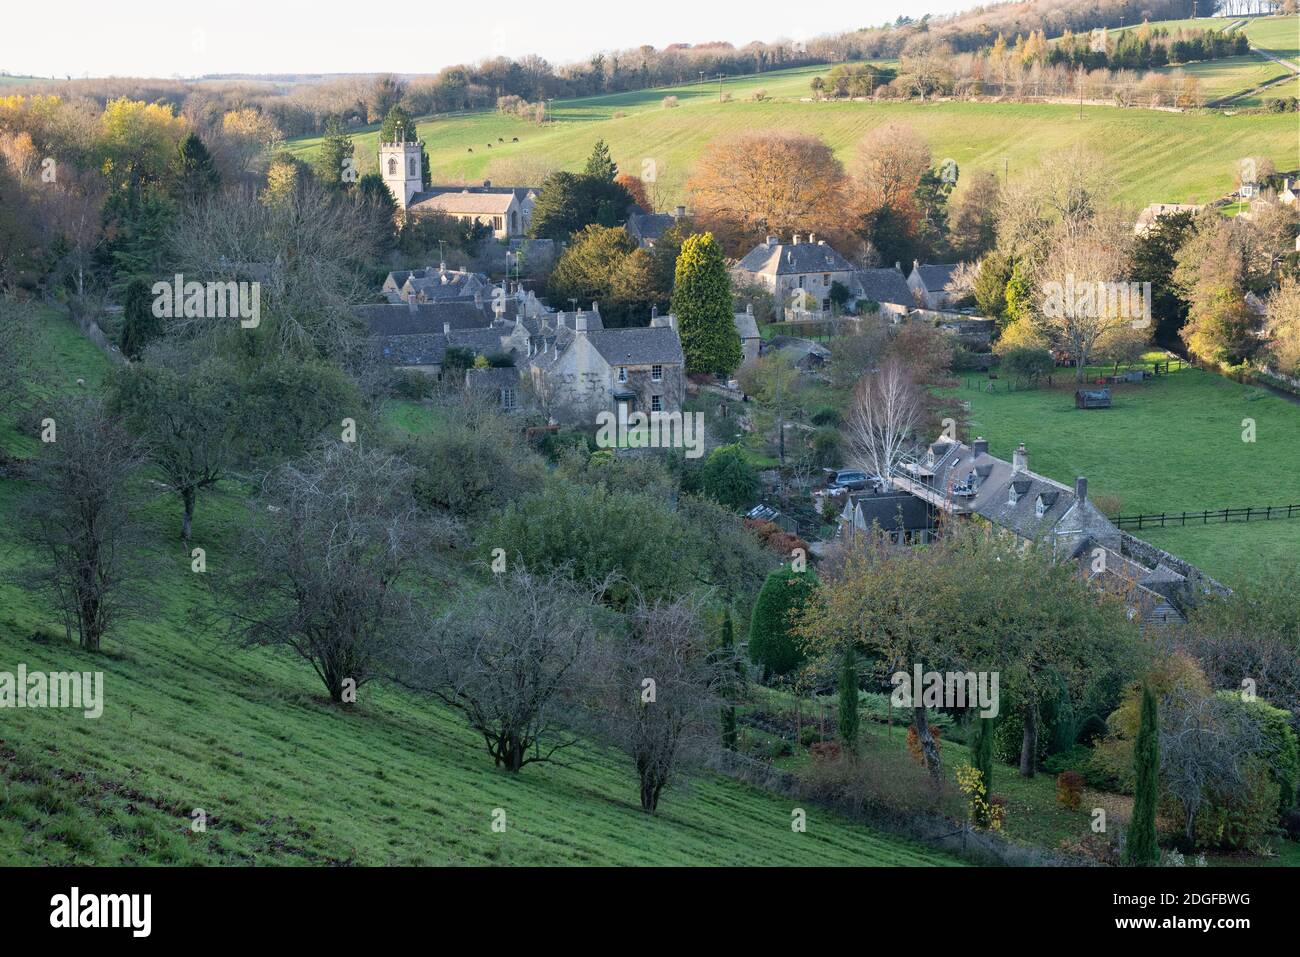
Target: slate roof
649	226
885	285
787	259
491	379
638	346
937	276
746	325
421	349
399	319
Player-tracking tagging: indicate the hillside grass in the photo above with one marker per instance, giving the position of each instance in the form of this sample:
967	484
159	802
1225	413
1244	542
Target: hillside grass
1138	143
1280	36
1171	444
285	777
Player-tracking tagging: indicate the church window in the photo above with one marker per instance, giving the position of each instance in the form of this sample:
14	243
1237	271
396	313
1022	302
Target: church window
392	166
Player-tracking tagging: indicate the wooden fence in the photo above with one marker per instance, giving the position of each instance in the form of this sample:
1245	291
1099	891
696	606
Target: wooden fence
1206	516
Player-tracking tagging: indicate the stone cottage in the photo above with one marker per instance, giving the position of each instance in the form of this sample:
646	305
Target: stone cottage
806	269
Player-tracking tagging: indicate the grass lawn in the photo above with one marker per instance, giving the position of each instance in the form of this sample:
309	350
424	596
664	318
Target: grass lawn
1280	36
1172	444
976	135
1220	78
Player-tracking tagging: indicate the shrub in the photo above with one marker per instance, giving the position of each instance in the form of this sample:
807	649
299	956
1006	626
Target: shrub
826	751
772	645
809	735
826	447
774	538
827	415
1069	789
729	479
889	785
669	102
914	742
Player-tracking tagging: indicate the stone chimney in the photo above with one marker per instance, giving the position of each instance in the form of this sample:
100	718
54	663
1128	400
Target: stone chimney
794	240
749	309
580	323
412	304
679	212
654	312
898	266
1081	489
915	264
442	268
595	307
980	446
1020	459
559	321
812	239
446	328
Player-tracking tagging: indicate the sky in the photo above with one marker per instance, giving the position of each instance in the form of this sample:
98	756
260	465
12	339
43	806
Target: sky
188	38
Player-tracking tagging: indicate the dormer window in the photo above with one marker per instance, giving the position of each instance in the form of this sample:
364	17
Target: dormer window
1040	507
622	373
1012	497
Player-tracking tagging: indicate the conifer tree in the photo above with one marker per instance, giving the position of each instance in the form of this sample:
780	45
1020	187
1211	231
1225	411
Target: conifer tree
848	710
701	301
1142	849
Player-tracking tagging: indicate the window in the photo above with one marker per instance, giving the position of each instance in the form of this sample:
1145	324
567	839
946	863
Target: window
656	403
656	373
1011	495
496	222
622	373
410	166
1039	508
826	305
392	166
801	282
508	399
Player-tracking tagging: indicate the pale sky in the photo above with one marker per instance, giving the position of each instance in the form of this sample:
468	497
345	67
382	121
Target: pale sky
185	38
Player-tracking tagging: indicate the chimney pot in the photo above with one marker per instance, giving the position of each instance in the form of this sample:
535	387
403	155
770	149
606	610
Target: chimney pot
898	266
1020	460
1081	488
446	328
580	323
794	240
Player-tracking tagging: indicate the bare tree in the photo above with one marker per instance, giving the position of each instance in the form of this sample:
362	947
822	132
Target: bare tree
660	692
324	565
885	413
1205	742
80	515
512	661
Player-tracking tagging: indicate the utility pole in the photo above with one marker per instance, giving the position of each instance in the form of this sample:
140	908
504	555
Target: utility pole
1006	171
719	87
1080	91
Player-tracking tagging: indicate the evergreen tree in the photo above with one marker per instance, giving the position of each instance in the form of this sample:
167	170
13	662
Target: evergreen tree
772	644
848	710
731	687
702	303
336	149
398	127
1142	849
982	760
729	479
600	165
139	325
194	174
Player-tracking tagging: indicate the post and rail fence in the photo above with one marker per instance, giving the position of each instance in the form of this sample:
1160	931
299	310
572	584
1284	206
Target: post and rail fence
1206	516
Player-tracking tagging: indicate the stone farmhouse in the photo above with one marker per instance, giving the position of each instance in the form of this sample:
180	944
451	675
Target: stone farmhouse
955	481
431	284
586	370
931	285
788	270
888	289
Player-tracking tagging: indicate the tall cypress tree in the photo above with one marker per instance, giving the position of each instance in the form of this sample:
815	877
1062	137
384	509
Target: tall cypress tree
600	165
701	301
139	325
336	147
1142	849
848	710
982	759
194	174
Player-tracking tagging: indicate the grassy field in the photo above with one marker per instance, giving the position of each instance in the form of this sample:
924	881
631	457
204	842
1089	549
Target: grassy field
1169	445
977	135
1220	78
286	778
1280	36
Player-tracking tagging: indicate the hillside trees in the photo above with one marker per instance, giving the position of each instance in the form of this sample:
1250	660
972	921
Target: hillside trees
757	184
659	692
511	660
570	201
729	479
187	420
701	300
80	515
335	156
322	565
603	264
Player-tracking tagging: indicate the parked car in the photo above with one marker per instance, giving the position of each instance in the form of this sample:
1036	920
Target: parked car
852	480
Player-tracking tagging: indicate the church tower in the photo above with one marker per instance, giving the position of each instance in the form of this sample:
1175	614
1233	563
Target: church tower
399	164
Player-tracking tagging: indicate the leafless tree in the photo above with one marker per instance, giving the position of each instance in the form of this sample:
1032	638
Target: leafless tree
513	660
1205	742
326	562
80	516
659	692
306	251
885	413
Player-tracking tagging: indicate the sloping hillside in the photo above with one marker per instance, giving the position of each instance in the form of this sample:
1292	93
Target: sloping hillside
285	778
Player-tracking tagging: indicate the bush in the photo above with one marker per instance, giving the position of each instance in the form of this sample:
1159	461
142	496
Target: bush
669	102
1069	789
772	645
827	415
826	447
774	538
809	735
729	479
826	751
888	786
